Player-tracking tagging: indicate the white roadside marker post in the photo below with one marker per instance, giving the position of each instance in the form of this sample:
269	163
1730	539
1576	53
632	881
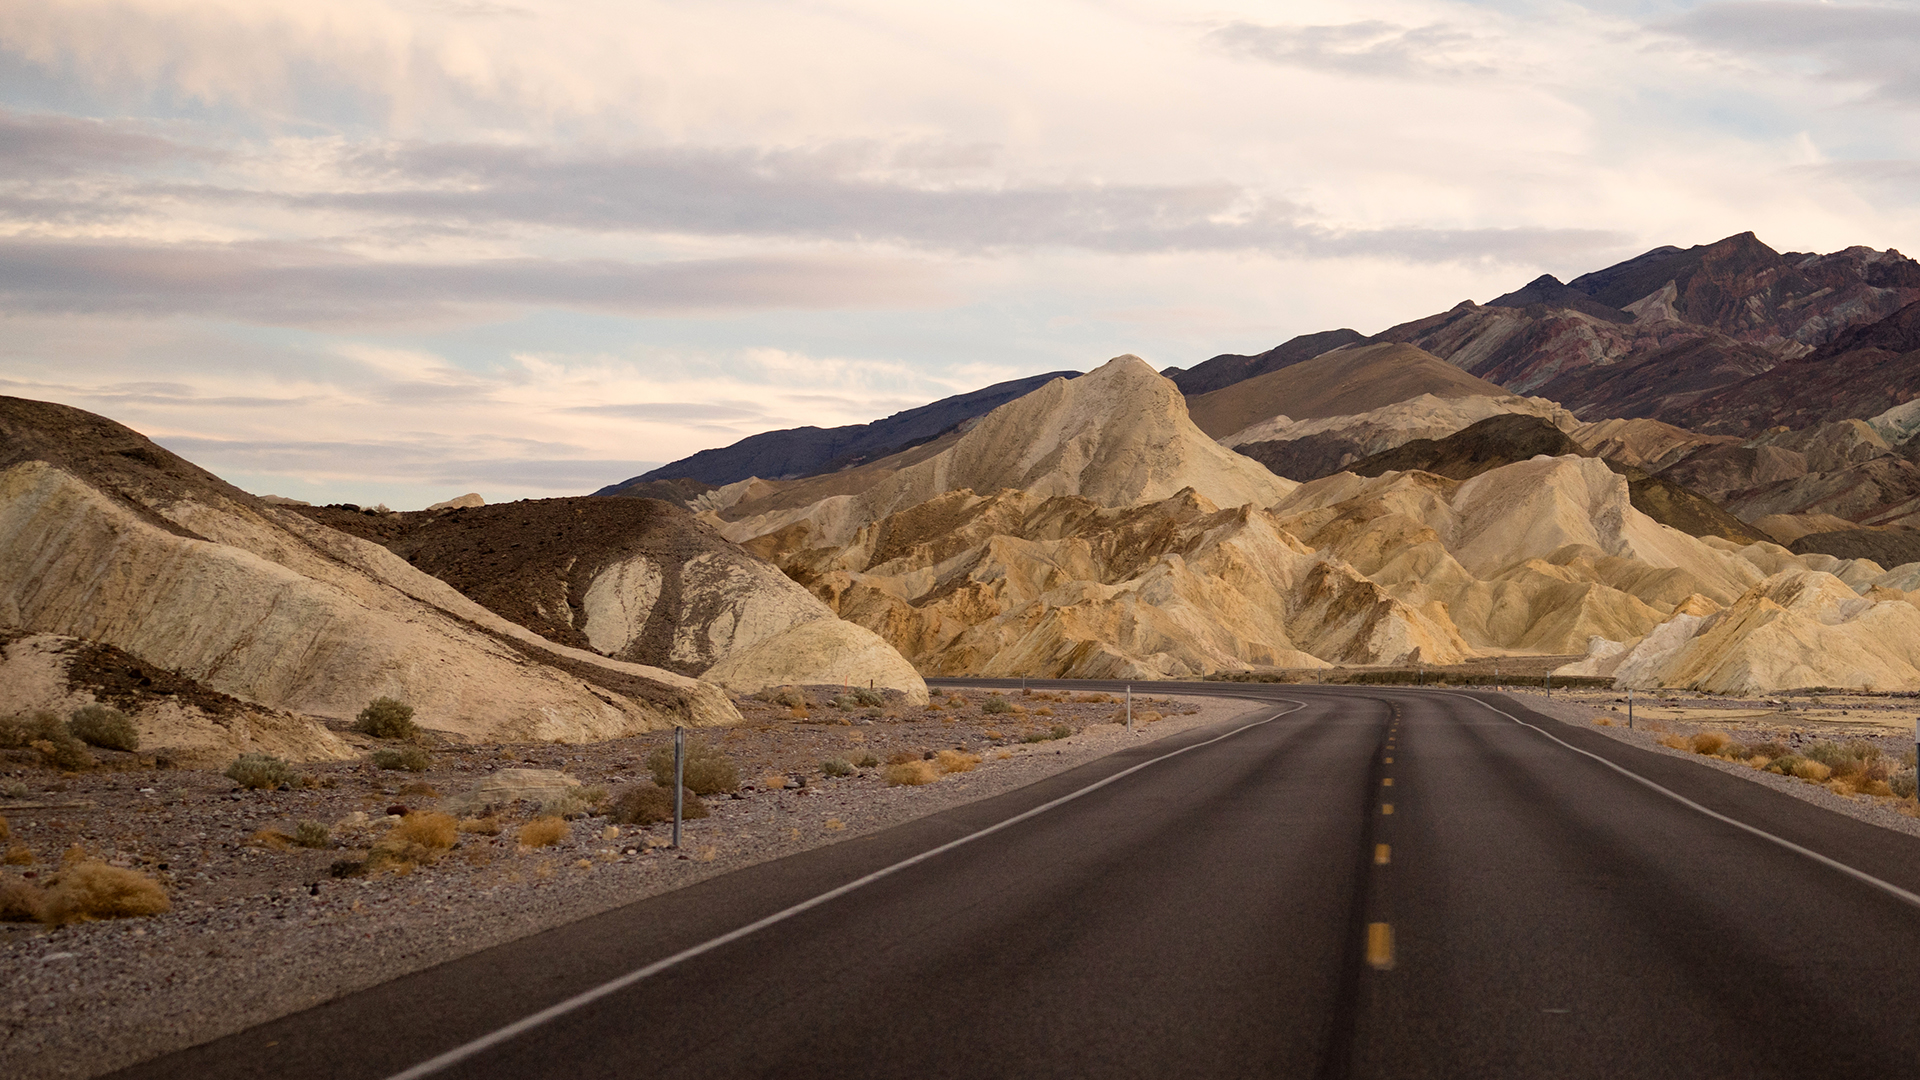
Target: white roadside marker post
679	780
1629	708
1129	706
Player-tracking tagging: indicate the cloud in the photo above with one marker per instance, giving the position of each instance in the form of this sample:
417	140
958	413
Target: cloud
40	146
687	411
298	284
1370	48
830	194
1853	43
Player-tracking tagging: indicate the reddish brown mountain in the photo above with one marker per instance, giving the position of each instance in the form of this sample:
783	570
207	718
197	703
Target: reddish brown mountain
1858	375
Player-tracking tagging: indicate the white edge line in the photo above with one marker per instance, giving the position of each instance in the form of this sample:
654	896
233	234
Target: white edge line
466	1050
1887	887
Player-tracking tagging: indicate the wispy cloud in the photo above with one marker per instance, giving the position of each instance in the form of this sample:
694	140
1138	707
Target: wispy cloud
1368	48
1875	45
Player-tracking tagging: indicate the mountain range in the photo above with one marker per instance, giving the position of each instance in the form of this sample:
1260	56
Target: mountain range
1698	467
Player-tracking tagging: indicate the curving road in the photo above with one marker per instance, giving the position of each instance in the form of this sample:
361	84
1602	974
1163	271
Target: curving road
1342	882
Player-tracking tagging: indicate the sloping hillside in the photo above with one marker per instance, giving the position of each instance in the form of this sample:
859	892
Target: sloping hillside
1342	383
108	538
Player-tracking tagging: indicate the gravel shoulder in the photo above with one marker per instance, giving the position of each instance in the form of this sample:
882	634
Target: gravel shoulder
1747	719
259	930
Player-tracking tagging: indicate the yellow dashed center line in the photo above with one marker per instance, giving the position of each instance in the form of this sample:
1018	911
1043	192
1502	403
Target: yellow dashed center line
1381	855
1388	782
1389	761
1386	808
1380	945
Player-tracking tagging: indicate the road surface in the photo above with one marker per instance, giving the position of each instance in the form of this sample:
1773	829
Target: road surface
1342	882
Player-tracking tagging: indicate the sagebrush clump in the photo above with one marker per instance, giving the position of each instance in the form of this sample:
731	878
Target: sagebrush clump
88	890
418	839
387	718
43	730
651	804
912	773
104	726
836	767
545	832
708	770
869	698
312	834
406	758
996	704
260	771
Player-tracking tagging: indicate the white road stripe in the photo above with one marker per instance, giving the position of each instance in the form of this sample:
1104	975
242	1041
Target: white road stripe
552	1012
1887	887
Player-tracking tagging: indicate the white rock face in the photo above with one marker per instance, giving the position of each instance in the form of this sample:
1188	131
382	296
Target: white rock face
293	616
460	502
619	602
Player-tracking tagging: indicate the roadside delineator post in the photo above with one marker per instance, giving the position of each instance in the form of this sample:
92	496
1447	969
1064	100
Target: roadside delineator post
1629	708
1129	706
679	780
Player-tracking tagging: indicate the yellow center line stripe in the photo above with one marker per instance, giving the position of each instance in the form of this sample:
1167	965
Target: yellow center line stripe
1381	855
1386	808
1388	782
1380	945
1389	761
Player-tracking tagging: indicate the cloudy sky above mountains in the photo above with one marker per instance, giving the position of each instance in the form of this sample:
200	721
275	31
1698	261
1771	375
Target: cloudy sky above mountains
394	251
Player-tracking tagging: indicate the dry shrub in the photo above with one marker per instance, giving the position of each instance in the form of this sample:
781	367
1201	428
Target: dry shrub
387	718
1602	721
543	832
1044	710
420	788
260	771
994	733
835	825
934	706
798	712
1004	755
789	696
1148	717
483	826
836	767
708	770
93	890
901	757
21	901
312	834
18	855
406	758
420	837
1708	742
104	725
996	704
1809	769
956	761
651	804
912	773
1675	742
1904	784
867	761
272	839
1092	699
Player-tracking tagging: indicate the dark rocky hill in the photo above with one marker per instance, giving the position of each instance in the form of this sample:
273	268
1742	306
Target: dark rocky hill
1229	368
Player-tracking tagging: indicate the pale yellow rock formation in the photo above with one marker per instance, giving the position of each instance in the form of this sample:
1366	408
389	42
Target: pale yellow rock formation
461	502
1644	443
1800	628
271	608
1118	436
36	673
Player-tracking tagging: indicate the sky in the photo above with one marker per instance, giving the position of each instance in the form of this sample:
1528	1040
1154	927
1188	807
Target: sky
390	252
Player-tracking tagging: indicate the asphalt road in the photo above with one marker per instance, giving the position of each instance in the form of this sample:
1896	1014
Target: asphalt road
1247	906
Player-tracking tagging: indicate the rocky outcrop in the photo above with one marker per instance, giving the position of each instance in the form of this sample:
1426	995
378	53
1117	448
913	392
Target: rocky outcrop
642	581
106	537
1310	449
1344	382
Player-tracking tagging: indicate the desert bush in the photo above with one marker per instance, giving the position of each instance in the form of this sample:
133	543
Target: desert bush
259	771
312	834
901	757
709	771
1060	731
419	838
1809	769
1772	748
1708	742
103	725
482	826
93	890
1862	749
788	696
867	760
387	718
1825	752
996	704
17	855
1904	783
935	706
912	773
1035	737
845	701
836	767
545	832
1044	710
935	691
869	698
1091	699
956	761
405	759
43	730
21	901
575	802
651	804
272	839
